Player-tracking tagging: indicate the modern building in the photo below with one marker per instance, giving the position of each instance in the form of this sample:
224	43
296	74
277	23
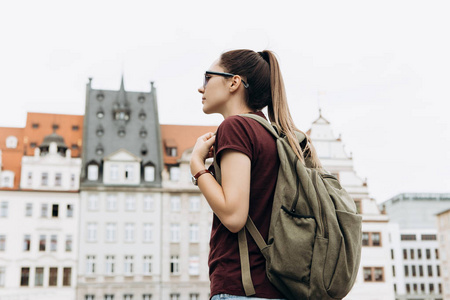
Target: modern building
39	228
374	279
415	255
444	248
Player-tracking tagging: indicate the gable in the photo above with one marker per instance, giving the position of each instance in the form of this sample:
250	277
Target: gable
122	155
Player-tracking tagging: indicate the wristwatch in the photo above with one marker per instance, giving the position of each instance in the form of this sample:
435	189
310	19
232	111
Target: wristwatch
200	173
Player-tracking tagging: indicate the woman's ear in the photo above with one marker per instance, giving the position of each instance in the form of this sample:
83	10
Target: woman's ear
235	83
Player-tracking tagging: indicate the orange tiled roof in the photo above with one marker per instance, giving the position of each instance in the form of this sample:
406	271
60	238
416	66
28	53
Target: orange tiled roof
45	127
183	137
12	157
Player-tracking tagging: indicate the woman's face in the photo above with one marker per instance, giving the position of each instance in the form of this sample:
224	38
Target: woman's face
216	91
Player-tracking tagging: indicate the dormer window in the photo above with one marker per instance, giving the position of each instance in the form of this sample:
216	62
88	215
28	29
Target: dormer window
92	172
121	131
7	179
99	149
144	150
100	131
142	115
171	151
100	113
100	97
11	142
35	125
143	132
122	115
141	99
149	173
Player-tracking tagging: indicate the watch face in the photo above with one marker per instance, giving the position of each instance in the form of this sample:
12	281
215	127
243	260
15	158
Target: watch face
194	181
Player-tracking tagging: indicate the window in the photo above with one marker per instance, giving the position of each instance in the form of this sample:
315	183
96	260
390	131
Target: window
130	203
194	263
174	265
392	253
30	179
89	297
44	179
67	276
55	210
146	297
55	126
129	232
2	276
129	172
90	264
53	242
72	180
406	271
193	233
371	239
127	297
147	265
149	173
4	209
114	172
92	232
174	173
7	179
148	232
422	287
42	241
429	237
411	253
110	232
35	125
44	208
430	271
175	203
419	253
428	253
111	202
405	254
39	277
431	286
93	202
53	277
29	209
109	297
436	252
174	296
26	242
128	270
58	179
194	203
109	265
2	242
149	203
408	237
413	271
75	127
171	151
174	232
393	271
194	297
68	243
440	288
33	145
408	288
69	210
415	288
11	142
421	271
24	276
438	271
92	172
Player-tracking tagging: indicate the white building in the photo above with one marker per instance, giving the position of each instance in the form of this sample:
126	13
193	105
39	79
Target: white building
415	251
374	280
444	248
39	227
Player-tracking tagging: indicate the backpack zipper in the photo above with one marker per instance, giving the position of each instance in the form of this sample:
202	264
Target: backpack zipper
294	204
321	212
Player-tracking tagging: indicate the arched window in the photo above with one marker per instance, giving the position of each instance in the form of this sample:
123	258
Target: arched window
11	142
149	172
92	171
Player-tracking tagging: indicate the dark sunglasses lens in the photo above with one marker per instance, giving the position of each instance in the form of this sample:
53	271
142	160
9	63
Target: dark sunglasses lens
205	80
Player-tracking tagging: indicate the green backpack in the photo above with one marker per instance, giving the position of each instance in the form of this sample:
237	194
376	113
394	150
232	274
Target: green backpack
314	243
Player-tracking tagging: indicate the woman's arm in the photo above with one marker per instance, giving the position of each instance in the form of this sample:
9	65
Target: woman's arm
230	202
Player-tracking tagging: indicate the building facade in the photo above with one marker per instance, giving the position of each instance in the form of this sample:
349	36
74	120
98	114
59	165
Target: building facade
415	253
374	279
444	248
39	226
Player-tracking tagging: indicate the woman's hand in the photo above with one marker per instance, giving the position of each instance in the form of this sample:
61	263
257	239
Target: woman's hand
203	149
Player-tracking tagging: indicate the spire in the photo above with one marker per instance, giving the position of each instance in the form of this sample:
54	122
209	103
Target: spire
121	97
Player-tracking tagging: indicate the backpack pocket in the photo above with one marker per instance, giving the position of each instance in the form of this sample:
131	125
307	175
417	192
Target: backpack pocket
340	277
293	233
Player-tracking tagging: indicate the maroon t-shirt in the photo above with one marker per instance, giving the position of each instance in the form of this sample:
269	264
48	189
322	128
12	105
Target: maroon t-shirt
252	139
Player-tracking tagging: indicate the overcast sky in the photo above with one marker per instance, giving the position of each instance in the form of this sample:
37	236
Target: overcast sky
382	68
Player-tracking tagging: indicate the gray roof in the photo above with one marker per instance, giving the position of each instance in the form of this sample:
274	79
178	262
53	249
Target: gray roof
121	120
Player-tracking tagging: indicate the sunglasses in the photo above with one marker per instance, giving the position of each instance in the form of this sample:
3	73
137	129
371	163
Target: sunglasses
209	73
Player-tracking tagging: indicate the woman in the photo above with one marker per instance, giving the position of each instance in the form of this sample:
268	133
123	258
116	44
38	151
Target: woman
239	82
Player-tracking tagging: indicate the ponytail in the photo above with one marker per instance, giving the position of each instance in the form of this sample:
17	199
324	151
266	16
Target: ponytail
266	88
279	113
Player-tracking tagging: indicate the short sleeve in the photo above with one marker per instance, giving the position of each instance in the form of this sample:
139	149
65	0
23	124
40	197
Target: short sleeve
234	134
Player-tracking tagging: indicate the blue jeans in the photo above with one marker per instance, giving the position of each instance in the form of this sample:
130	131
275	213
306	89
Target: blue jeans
231	297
